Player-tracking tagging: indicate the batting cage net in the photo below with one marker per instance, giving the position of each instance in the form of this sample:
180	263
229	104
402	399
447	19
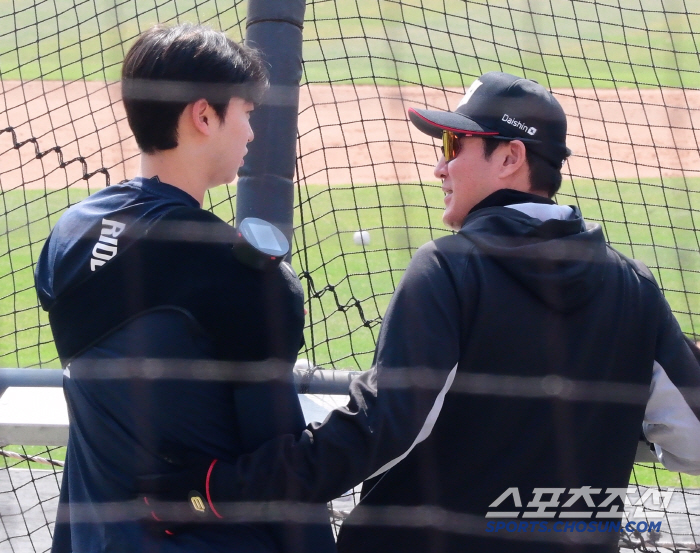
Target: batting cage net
627	73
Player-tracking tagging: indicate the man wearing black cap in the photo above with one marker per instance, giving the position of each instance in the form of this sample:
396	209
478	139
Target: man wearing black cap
516	118
517	364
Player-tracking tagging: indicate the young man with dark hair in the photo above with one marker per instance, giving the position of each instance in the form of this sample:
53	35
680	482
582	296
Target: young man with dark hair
517	364
169	338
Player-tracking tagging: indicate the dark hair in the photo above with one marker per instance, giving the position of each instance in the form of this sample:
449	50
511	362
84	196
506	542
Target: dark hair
544	175
168	68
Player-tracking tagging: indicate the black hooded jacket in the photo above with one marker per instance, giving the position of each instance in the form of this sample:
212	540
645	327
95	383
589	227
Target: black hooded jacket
521	352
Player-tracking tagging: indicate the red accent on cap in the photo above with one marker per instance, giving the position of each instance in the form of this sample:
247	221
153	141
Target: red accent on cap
170	533
153	514
206	489
459	131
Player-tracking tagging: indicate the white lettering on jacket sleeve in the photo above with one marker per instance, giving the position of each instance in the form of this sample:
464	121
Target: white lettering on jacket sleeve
106	247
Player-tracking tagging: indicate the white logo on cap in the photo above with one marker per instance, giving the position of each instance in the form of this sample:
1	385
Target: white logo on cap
472	89
522	126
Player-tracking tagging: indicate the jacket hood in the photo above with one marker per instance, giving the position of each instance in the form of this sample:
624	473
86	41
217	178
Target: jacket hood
548	248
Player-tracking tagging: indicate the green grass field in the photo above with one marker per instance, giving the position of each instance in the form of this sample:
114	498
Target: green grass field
350	285
331	257
577	43
649	474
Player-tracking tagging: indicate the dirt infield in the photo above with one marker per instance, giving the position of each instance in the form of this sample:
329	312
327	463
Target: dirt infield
357	134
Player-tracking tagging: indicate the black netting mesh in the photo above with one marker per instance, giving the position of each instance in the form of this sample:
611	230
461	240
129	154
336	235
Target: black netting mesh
627	73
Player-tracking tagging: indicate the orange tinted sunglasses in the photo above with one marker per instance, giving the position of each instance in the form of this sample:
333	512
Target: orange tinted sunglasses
450	144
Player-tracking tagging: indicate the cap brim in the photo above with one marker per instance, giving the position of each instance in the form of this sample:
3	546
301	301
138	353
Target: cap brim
434	122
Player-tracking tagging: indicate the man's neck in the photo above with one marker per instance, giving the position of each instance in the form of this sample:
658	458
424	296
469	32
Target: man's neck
176	170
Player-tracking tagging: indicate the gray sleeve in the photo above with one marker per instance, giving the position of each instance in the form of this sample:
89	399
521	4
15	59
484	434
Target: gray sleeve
672	416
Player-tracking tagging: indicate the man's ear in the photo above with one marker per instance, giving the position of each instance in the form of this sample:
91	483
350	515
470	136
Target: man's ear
201	116
514	158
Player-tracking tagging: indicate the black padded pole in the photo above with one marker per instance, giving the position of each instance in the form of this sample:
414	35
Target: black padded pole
266	180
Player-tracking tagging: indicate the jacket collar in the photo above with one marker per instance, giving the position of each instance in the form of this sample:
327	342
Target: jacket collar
507	196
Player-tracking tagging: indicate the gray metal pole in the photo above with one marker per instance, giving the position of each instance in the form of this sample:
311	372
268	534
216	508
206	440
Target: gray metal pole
316	381
307	382
265	183
30	378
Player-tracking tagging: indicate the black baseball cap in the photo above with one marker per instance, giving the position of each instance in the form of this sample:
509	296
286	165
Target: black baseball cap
505	107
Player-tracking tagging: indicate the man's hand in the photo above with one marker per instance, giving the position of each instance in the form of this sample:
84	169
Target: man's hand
179	497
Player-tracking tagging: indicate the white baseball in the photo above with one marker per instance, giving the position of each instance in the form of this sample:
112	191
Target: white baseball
361	237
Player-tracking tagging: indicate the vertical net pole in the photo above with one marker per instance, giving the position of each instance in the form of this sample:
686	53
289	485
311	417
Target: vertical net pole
265	183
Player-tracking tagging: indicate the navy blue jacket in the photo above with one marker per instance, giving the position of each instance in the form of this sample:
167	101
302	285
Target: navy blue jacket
193	352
